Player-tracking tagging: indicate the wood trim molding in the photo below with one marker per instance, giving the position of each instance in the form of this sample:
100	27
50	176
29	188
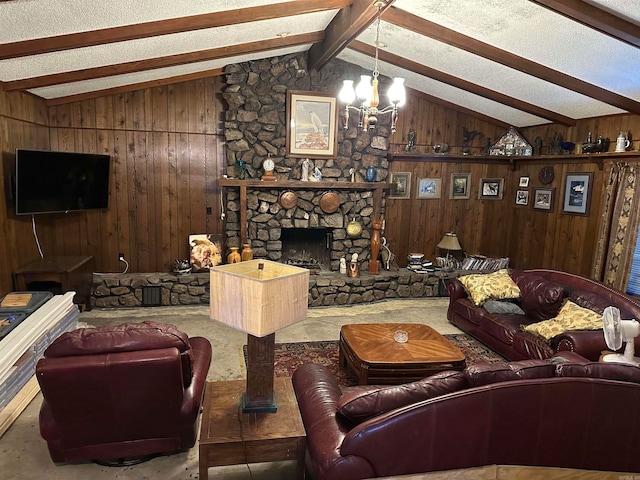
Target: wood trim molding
596	18
166	27
162	62
438	32
344	27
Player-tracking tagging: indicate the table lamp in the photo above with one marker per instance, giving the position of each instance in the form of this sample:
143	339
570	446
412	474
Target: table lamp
259	297
449	242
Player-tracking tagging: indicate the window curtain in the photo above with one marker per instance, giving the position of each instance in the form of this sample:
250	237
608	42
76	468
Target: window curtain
619	227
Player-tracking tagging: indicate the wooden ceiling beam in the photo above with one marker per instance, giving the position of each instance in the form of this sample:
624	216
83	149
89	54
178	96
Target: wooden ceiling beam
438	32
596	18
462	84
163	62
344	27
166	27
134	86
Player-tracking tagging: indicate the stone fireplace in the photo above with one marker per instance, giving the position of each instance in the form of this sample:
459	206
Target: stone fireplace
255	127
274	231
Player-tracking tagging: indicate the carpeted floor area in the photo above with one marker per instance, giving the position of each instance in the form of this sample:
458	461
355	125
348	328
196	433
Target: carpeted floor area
24	453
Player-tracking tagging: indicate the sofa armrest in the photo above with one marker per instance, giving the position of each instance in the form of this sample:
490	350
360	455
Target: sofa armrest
201	362
318	393
456	291
589	344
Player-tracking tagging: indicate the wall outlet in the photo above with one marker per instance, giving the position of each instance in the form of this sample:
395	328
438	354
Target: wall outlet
121	257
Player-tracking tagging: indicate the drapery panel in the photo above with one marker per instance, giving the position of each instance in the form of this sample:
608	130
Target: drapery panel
618	230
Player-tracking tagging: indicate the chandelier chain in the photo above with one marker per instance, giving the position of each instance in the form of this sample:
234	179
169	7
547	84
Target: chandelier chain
375	70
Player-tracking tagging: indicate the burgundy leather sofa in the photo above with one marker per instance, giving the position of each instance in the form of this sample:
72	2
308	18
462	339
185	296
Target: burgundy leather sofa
542	294
561	412
121	392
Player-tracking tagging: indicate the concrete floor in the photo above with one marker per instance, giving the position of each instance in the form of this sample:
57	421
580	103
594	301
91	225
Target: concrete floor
24	453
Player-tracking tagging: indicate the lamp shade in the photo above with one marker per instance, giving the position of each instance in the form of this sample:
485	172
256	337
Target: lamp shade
258	296
450	242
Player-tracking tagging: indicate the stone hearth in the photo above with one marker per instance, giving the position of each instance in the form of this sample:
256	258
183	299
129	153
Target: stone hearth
325	289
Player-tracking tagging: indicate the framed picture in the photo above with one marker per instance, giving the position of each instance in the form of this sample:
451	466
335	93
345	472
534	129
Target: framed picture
522	197
460	185
205	251
543	199
524	182
311	124
402	185
429	187
577	193
491	188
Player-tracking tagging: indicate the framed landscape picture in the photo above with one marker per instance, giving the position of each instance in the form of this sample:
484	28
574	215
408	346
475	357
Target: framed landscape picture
460	186
402	185
491	188
577	193
311	124
429	187
543	199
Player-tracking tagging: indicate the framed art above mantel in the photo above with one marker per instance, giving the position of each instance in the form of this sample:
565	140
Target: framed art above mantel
312	122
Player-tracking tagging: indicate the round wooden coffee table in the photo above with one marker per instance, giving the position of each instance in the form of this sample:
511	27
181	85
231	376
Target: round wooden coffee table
370	350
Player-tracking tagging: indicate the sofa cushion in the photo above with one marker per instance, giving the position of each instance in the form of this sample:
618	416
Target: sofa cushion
503	307
359	406
570	317
488	373
497	286
595	302
540	299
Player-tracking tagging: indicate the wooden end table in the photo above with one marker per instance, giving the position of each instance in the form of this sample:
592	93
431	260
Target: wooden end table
230	437
370	350
71	273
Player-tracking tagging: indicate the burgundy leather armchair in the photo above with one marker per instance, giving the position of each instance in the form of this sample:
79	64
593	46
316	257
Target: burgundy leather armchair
121	392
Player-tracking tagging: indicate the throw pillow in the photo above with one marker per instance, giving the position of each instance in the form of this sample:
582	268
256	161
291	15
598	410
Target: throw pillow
499	307
496	286
570	317
359	406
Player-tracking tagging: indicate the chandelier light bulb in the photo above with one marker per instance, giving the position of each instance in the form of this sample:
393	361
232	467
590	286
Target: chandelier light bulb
363	90
347	94
397	94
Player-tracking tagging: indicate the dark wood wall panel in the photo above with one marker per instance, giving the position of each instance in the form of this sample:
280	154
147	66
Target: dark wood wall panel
166	149
531	238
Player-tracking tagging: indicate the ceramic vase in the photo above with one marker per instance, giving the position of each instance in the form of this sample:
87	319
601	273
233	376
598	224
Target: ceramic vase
247	253
234	256
371	174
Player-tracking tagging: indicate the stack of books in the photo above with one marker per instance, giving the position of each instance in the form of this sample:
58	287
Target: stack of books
480	262
416	263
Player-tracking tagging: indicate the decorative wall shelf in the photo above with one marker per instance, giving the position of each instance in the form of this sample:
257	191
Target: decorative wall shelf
597	158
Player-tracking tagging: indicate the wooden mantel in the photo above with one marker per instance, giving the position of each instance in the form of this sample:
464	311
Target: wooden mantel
377	187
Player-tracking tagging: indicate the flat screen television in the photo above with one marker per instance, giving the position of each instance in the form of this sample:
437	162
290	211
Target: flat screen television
51	182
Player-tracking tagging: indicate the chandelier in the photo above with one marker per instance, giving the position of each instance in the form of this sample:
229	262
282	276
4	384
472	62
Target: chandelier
367	93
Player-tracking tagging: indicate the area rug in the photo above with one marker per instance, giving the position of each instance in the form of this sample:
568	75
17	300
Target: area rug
289	356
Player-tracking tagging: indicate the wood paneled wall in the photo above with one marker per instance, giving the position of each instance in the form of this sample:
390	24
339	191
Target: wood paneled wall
531	238
166	149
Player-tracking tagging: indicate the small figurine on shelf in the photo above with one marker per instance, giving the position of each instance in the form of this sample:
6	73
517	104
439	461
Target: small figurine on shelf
343	265
352	174
317	175
411	141
354	266
182	267
241	169
305	170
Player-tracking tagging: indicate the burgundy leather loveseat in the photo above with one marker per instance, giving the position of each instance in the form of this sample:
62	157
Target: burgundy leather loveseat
561	412
542	295
119	392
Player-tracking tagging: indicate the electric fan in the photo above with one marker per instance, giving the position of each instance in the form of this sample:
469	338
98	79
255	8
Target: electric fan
617	331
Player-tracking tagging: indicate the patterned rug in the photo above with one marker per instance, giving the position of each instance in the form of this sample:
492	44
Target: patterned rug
290	356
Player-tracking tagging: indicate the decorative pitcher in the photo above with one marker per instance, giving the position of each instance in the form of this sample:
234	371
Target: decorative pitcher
622	143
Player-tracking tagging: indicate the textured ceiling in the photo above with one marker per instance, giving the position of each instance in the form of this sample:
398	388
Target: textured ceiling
568	56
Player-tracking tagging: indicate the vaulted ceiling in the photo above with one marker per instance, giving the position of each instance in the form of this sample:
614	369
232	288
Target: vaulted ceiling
522	62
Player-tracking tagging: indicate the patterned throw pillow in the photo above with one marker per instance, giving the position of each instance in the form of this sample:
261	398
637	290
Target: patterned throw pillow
494	286
570	317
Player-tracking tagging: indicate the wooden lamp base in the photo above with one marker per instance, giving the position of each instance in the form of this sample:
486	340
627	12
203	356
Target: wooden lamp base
259	396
